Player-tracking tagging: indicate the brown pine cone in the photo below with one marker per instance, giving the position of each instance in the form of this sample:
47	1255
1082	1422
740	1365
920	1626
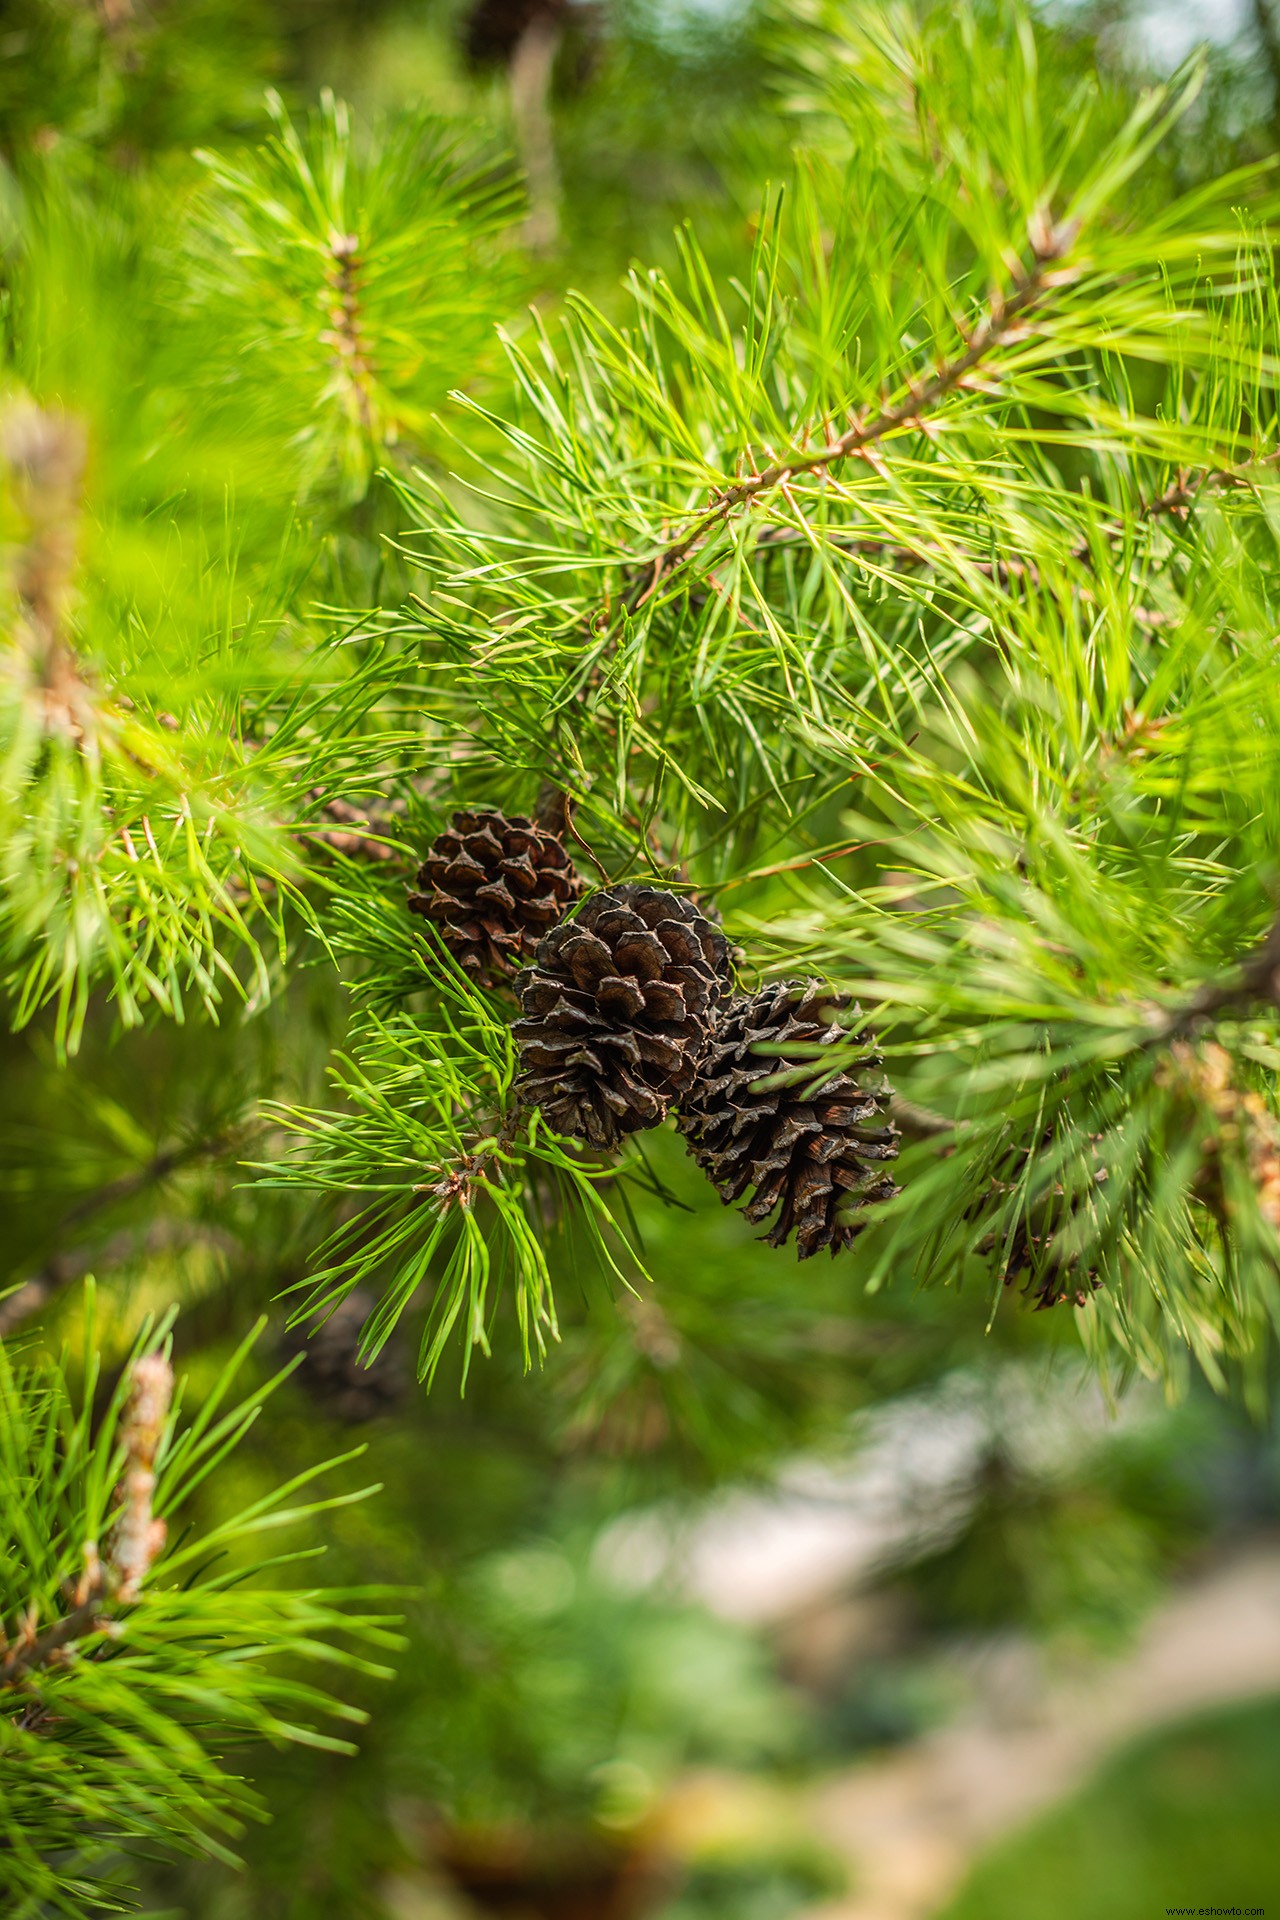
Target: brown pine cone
494	885
817	1154
617	1010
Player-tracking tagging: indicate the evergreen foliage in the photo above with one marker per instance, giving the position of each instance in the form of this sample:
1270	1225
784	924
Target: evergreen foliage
888	579
176	716
986	536
116	1691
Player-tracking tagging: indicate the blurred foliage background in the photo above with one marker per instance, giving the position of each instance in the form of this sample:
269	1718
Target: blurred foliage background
547	1744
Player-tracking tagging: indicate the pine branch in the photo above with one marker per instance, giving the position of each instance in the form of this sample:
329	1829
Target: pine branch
345	334
45	452
136	1537
868	546
388	243
132	1668
39	1650
63	1269
1181	495
999	325
1256	981
1051	825
1176	501
457	1184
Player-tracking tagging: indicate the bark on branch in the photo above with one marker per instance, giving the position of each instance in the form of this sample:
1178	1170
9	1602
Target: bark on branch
136	1537
1256	981
63	1269
1000	324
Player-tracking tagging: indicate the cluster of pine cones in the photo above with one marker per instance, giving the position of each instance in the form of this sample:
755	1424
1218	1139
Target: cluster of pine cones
629	1012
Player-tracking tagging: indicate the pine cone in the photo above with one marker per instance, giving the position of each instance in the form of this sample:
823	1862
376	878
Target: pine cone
494	886
616	1012
815	1153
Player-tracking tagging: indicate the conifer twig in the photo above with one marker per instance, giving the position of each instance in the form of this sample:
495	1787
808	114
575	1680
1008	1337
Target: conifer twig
62	1269
136	1537
1175	501
1257	979
1005	312
29	1654
1003	570
1182	494
344	333
45	453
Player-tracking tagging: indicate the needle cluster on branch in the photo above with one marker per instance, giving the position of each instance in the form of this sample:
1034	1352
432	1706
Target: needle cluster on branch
1001	324
114	1576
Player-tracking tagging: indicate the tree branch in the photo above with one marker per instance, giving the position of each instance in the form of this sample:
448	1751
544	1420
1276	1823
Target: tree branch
37	1651
1257	979
62	1270
136	1537
998	325
1182	494
1177	500
344	333
45	453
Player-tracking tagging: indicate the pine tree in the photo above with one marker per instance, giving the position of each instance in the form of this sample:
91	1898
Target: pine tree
807	721
892	665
